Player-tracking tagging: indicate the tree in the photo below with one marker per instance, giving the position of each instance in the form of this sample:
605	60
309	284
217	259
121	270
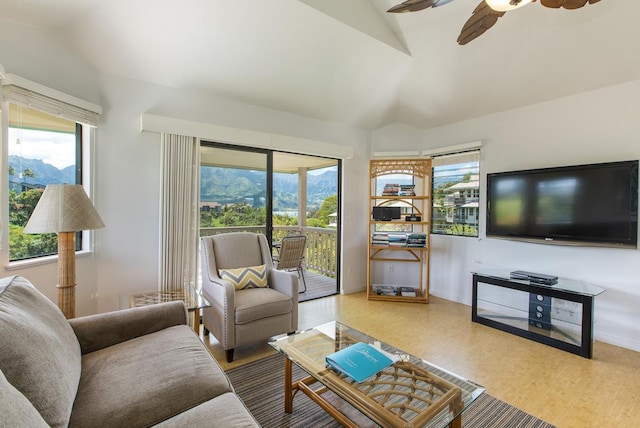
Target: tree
23	246
323	215
22	205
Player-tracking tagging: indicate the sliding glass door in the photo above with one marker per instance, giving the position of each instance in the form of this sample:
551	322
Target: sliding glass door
278	194
235	189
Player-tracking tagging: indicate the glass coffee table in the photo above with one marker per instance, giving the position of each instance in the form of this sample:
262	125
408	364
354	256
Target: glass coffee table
412	392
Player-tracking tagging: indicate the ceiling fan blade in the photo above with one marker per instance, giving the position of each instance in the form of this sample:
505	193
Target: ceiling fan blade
567	4
443	2
481	20
412	6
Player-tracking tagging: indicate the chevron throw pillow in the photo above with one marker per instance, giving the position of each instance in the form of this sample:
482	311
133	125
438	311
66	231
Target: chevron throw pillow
249	277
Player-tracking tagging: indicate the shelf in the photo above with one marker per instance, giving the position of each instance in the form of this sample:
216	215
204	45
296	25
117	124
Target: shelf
401	174
559	315
403	222
395	247
417	299
394	198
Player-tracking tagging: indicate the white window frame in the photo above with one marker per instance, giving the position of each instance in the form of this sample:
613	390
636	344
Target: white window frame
459	153
20	91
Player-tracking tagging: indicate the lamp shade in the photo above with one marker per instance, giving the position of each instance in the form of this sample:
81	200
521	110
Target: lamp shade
63	208
506	5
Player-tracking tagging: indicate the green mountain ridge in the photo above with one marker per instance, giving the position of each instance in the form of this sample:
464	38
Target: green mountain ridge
230	186
43	173
222	185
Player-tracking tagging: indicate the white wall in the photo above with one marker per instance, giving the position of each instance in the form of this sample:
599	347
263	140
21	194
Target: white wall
591	127
127	169
46	60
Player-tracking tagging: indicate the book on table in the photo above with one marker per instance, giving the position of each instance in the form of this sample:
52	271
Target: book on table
360	361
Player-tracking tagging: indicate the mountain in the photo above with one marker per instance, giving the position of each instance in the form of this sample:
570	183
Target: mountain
43	173
222	185
226	186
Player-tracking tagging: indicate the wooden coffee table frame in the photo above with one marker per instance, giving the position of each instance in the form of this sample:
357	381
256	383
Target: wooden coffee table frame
411	392
376	412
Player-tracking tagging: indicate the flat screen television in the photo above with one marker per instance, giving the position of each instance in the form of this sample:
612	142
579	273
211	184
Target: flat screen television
582	204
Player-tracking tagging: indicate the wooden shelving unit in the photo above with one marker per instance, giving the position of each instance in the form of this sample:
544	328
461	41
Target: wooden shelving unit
390	265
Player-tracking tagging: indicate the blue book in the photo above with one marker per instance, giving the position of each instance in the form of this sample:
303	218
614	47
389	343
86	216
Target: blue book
359	361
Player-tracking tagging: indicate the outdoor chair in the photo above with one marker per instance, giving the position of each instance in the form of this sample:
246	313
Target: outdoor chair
250	299
291	256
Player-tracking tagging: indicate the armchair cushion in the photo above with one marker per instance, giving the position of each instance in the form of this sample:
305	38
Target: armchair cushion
246	277
253	305
39	353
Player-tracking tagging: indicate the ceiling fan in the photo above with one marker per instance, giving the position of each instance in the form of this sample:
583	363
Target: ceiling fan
487	13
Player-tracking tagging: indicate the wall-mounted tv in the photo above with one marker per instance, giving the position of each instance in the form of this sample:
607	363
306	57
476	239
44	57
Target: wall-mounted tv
582	204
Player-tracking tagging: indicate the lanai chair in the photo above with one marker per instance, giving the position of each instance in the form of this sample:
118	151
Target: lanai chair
291	256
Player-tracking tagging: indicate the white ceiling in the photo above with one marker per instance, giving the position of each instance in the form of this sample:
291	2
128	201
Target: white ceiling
349	61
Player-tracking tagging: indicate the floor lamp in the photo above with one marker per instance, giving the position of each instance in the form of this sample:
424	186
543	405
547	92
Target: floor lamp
64	209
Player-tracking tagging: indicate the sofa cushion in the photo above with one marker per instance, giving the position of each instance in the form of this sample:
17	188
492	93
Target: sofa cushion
246	277
226	410
15	409
39	353
255	304
146	380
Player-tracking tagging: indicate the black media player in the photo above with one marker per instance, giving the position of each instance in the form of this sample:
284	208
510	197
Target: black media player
539	278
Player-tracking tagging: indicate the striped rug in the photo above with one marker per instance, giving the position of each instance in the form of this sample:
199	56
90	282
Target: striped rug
260	384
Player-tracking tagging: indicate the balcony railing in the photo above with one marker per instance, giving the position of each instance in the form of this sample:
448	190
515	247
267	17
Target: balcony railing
459	200
320	251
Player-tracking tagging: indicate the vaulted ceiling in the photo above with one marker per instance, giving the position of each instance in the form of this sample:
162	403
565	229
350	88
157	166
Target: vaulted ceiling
349	61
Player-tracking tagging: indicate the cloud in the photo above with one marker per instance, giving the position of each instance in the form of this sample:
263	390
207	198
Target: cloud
54	148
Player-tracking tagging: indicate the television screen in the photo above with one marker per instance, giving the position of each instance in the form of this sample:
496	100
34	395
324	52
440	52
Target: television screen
596	204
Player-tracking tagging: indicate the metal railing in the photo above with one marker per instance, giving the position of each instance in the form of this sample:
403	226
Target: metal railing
320	252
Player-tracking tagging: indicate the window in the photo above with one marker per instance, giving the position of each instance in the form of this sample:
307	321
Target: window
42	150
456	194
49	137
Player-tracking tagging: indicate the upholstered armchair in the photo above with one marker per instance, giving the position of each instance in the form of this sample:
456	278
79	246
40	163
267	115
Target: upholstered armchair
250	299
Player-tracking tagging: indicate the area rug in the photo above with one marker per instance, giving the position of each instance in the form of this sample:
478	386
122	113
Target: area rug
260	384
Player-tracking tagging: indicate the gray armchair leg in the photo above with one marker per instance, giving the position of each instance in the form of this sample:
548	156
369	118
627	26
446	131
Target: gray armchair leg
229	355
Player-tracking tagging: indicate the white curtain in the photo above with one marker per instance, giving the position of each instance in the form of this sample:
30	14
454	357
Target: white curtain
179	219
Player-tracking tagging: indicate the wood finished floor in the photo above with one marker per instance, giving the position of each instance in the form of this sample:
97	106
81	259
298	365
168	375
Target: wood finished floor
561	388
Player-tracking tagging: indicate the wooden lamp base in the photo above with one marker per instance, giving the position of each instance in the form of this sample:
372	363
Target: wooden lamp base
67	273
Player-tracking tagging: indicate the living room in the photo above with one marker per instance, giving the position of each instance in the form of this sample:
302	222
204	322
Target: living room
592	125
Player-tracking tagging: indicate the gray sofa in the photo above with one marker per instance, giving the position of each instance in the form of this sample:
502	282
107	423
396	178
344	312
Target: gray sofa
131	368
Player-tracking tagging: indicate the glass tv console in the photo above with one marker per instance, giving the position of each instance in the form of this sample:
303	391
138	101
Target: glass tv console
559	315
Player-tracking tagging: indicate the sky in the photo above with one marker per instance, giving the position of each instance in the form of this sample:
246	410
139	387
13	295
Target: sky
54	148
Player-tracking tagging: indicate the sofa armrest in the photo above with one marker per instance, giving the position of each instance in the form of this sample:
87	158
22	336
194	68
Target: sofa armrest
100	331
